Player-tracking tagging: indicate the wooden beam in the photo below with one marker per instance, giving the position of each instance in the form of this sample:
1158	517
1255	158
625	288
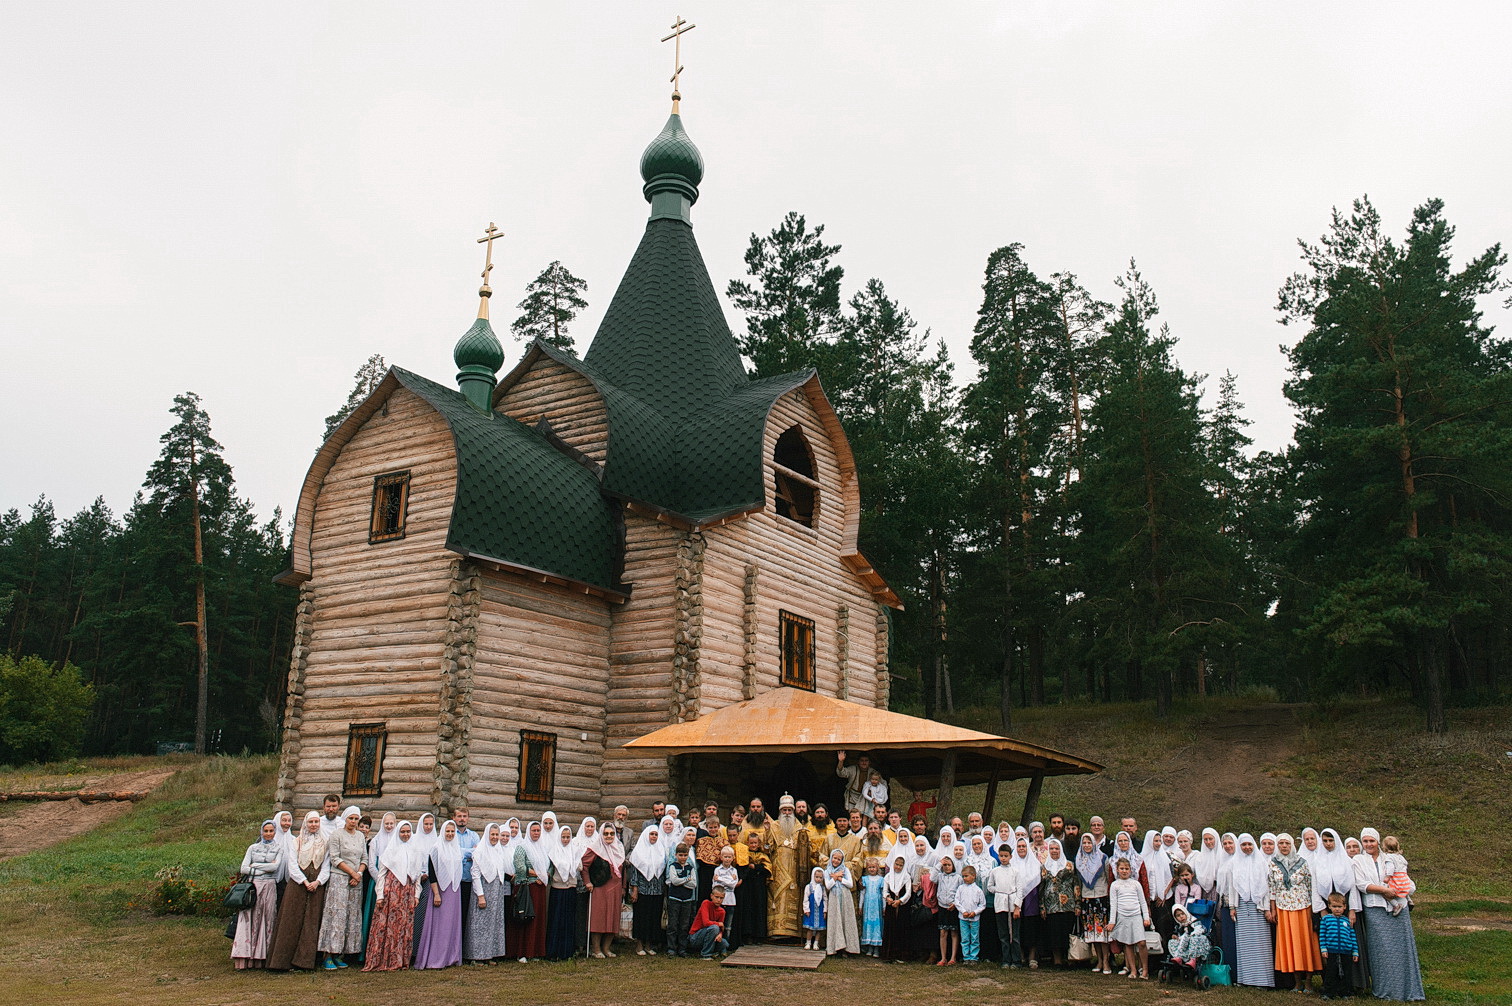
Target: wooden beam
947	789
991	801
1031	799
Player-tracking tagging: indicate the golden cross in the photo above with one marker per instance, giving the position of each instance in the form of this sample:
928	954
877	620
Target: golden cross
678	30
484	291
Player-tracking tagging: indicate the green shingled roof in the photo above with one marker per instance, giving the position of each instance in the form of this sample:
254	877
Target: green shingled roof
521	500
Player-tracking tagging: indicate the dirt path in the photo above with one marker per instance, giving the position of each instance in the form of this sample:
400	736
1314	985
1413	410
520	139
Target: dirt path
37	825
1236	748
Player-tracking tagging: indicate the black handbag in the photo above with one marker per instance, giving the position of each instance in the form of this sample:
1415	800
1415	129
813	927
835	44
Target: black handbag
599	871
242	896
523	908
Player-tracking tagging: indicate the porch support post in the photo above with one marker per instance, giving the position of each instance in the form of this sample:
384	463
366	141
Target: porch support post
1031	799
947	788
991	801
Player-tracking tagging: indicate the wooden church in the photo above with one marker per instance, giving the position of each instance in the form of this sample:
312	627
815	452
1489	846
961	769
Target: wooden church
503	582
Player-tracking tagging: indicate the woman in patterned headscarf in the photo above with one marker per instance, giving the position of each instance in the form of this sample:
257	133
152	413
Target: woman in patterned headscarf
298	928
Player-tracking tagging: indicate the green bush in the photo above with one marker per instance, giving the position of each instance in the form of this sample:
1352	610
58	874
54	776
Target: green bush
176	895
43	710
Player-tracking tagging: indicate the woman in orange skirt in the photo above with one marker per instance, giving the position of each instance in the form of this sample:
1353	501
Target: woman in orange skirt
1291	910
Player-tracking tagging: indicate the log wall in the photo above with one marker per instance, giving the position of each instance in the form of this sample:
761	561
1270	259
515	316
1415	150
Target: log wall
567	400
377	614
542	663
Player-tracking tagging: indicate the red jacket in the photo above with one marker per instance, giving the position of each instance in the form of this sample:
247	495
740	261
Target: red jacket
709	914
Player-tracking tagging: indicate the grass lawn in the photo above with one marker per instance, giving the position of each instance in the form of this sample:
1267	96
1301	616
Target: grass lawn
73	926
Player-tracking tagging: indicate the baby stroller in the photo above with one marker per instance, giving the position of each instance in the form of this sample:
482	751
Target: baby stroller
1189	966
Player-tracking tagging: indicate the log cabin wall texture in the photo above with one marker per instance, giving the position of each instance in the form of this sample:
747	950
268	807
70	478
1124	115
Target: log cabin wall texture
377	619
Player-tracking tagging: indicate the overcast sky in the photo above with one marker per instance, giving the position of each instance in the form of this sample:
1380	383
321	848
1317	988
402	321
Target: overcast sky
247	200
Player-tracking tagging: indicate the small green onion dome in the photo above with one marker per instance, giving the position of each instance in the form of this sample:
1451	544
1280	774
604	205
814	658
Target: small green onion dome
479	347
672	153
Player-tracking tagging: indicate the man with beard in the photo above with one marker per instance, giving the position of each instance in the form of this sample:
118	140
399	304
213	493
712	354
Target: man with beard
820	828
800	812
1058	829
790	858
873	847
756	821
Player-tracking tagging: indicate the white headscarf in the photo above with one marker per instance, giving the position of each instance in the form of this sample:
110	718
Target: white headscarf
1053	863
382	839
613	852
402	858
1205	861
1226	860
537	850
1309	855
1172	848
895	883
946	844
446	854
1251	872
285	838
981	861
509	842
425	843
649	858
1131	854
1157	864
1332	871
566	860
1026	866
581	839
310	850
488	859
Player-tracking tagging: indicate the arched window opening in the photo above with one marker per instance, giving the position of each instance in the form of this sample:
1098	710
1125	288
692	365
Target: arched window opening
793	472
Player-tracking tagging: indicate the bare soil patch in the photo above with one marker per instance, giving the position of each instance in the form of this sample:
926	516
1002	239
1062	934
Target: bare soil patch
38	825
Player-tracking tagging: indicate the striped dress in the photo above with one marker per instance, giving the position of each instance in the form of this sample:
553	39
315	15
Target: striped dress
1257	954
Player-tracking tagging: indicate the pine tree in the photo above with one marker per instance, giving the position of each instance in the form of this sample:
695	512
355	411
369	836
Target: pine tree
365	380
792	307
1404	553
552	300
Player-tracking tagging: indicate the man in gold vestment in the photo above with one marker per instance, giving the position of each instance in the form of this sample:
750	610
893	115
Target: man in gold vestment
790	857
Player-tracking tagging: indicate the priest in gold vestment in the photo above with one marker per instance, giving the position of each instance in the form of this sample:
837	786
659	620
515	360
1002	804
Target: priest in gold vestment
790	856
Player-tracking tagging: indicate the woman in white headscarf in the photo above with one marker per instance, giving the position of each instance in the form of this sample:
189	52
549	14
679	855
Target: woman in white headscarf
284	834
563	869
1157	864
1031	924
1291	891
1256	957
1123	848
1227	901
945	846
297	931
254	926
381	839
1389	941
603	870
441	938
1204	861
424	840
483	937
644	880
1091	865
391	940
1059	890
1333	873
341	920
532	863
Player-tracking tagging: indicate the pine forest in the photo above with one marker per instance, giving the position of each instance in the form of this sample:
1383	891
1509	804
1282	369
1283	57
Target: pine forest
1083	520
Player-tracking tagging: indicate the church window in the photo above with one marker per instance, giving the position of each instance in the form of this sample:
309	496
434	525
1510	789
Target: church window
537	767
390	501
797	491
364	760
797	650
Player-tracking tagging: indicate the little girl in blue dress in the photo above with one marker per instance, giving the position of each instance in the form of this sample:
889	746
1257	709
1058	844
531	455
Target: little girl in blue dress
871	909
813	909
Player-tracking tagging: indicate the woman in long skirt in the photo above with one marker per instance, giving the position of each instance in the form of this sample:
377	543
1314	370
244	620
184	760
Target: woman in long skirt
603	872
1255	964
341	922
897	903
425	839
380	841
487	905
1058	902
297	930
1291	892
1092	913
1228	904
561	905
254	926
648	867
391	940
531	863
1359	972
1394	969
841	934
441	938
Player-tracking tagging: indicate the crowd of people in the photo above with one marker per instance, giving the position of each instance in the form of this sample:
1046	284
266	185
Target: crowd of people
335	891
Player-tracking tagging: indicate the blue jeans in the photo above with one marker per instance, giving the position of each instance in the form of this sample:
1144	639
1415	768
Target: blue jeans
707	942
971	931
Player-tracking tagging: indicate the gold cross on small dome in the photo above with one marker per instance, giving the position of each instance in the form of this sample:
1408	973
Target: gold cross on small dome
484	291
679	27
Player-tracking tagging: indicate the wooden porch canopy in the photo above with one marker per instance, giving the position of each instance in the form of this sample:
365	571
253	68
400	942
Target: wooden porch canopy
790	720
